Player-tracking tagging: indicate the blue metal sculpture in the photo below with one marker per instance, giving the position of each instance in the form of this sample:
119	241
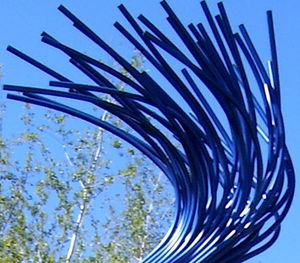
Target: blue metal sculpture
231	194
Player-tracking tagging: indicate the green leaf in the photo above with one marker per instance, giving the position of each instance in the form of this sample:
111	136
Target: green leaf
30	136
117	144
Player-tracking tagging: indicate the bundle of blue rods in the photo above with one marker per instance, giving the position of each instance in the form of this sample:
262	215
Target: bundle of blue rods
233	185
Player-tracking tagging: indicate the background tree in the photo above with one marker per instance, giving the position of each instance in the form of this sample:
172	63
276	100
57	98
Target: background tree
71	192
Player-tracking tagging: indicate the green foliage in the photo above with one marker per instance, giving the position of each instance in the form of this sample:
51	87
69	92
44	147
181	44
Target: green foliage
73	193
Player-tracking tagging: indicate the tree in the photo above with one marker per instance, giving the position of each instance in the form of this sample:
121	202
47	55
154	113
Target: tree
74	193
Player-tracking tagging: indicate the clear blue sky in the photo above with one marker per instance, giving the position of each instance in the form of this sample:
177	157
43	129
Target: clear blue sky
23	20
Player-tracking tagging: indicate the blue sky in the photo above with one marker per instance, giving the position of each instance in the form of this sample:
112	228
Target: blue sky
22	21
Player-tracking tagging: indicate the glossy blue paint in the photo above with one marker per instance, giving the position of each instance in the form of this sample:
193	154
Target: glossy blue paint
233	186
